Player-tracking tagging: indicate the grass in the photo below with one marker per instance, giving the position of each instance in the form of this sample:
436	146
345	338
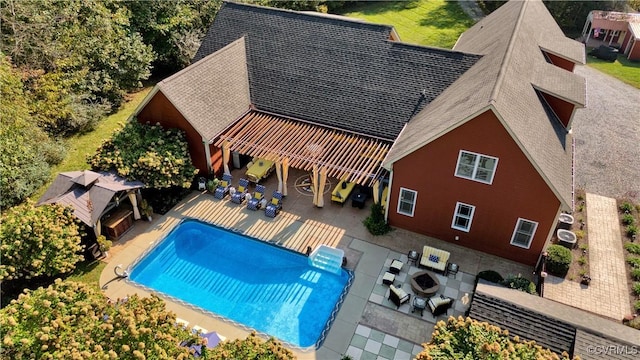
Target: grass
622	69
88	273
79	146
436	23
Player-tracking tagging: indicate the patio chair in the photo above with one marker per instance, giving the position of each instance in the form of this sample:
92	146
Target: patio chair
223	187
255	202
398	296
396	266
240	194
274	207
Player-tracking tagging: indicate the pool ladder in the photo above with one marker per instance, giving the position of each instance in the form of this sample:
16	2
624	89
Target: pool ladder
327	258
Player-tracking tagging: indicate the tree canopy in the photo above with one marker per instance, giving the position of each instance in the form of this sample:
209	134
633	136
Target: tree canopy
26	152
470	339
36	241
148	153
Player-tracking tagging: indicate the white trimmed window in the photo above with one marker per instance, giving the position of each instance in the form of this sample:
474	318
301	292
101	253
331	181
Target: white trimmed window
462	217
523	233
476	167
407	201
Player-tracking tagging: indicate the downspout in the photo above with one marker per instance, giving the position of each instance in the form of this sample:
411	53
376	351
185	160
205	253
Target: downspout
207	154
386	210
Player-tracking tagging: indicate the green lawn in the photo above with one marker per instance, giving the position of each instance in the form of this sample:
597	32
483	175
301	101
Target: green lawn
88	273
622	69
436	23
79	146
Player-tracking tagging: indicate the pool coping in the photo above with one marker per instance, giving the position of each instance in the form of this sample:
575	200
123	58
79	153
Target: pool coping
155	244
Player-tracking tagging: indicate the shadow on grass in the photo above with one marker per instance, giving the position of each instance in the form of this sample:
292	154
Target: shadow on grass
378	7
448	16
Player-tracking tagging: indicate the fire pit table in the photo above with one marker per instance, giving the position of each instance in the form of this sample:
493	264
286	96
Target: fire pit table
424	284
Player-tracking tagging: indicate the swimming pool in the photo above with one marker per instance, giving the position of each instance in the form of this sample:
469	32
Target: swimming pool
262	286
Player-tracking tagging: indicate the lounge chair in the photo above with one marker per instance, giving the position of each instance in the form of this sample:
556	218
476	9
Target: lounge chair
341	192
223	187
241	192
398	296
274	207
396	266
255	202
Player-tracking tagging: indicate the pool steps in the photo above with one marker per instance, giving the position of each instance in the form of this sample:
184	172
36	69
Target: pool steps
327	258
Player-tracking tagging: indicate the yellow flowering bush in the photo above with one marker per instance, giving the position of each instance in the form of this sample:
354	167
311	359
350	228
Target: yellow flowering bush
461	338
252	348
148	153
71	320
38	240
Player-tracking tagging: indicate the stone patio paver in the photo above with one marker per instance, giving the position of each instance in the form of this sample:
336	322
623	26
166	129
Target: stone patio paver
608	292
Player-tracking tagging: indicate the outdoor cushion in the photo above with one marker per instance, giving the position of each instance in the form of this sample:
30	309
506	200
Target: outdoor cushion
442	255
396	266
434	258
398	296
439	304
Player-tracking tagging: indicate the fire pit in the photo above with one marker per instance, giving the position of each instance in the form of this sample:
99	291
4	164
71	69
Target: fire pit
424	284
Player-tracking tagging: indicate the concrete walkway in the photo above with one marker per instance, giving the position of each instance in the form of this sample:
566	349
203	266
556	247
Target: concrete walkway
608	293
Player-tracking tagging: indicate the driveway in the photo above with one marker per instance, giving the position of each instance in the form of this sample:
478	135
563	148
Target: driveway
607	135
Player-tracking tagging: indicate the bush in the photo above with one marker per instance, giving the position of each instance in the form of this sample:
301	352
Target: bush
635	274
635	322
558	260
626	207
491	276
634	261
375	222
631	230
579	234
519	283
636	305
636	288
582	260
628	219
632	248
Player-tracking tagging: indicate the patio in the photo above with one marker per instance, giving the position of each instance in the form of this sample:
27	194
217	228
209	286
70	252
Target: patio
366	309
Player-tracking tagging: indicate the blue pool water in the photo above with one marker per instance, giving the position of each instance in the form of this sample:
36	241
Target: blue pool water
262	286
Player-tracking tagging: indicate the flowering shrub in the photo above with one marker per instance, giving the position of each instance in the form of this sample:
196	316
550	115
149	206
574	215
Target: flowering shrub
252	348
470	339
35	241
71	320
148	153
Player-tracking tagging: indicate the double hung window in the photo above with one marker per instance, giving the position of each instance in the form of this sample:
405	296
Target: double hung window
407	201
462	217
523	233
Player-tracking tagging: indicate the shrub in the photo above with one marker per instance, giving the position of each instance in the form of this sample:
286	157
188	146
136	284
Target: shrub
582	260
632	248
635	322
634	261
584	246
626	207
636	305
631	230
628	219
490	275
635	274
636	288
519	283
375	222
558	260
579	234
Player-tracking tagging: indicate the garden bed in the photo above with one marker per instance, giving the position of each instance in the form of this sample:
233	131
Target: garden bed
629	215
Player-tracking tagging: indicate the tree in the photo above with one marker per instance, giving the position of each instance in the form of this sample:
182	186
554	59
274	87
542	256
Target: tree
148	153
173	28
77	57
470	339
71	320
35	241
26	152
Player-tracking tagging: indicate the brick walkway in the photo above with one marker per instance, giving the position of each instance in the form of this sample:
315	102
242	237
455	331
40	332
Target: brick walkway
608	293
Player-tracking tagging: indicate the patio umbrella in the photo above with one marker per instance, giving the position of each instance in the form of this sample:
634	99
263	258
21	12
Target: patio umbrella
314	184
279	174
323	180
376	192
213	339
285	174
226	152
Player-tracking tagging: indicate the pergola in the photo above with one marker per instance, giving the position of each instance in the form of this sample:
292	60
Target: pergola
327	152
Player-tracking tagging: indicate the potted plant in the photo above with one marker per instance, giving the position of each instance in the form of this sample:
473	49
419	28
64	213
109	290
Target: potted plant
104	244
146	209
586	279
212	184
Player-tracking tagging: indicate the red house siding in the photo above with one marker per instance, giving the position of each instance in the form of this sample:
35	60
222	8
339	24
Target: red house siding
560	62
160	110
634	53
517	191
563	109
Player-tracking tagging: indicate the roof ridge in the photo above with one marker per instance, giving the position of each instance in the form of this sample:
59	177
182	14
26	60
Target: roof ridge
506	59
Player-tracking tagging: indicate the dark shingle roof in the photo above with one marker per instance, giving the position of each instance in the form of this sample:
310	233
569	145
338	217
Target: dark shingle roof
548	332
334	71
